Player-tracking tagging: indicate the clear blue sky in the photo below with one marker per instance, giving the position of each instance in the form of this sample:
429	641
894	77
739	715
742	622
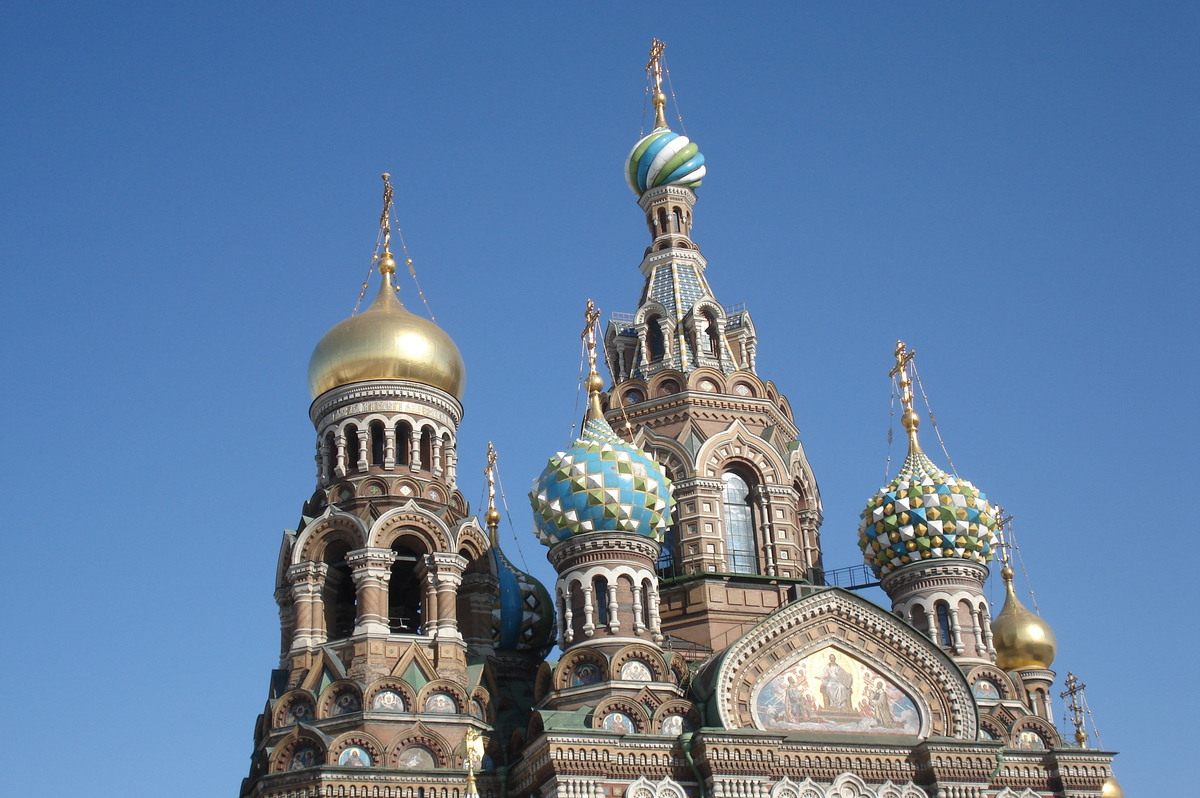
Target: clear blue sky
188	200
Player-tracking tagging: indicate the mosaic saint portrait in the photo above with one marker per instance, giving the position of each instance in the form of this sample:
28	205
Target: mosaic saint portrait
304	758
675	725
355	757
388	701
346	702
585	674
441	703
618	722
833	692
1029	740
416	757
985	689
635	671
300	710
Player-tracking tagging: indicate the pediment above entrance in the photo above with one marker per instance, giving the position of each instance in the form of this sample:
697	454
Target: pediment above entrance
833	662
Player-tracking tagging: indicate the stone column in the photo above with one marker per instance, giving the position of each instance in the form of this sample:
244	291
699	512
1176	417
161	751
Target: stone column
637	609
565	615
986	623
371	569
287	617
340	469
435	447
655	621
451	455
306	580
322	464
589	628
389	447
448	573
614	621
414	450
364	449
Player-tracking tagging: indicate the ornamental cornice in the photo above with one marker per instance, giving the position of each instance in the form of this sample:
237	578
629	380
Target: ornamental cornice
603	543
909	647
385	396
910	574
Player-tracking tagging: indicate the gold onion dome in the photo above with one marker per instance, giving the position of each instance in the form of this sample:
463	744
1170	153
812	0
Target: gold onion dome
1111	789
386	342
1022	639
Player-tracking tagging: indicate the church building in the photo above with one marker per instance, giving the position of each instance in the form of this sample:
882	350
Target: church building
702	651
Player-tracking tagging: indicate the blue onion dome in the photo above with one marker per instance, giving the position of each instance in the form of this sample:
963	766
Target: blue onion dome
664	158
522	614
923	514
601	484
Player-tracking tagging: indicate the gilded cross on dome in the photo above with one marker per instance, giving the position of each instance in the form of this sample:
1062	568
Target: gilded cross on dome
492	517
654	67
593	383
909	419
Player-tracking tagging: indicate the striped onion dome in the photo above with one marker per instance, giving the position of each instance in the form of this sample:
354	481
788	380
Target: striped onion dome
664	158
522	613
925	513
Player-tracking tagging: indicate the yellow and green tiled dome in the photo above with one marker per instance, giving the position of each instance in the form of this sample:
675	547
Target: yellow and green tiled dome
664	158
925	513
601	484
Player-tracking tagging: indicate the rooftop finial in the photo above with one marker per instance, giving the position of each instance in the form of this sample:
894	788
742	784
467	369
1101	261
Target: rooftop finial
1075	692
654	67
594	383
910	419
492	517
387	264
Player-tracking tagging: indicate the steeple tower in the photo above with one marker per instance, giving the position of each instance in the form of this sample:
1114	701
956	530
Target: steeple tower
685	388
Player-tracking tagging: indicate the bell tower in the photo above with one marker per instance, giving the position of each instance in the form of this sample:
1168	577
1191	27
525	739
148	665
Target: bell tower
686	389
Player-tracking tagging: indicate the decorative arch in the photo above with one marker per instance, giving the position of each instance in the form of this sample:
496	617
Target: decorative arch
848	626
390	684
410	518
340	698
652	659
334	525
295	706
421	735
573	660
666	787
295	743
738	444
634	720
359	740
442	687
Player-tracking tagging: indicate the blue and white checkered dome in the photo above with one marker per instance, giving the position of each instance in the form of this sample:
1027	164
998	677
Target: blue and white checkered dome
923	514
522	613
601	484
664	158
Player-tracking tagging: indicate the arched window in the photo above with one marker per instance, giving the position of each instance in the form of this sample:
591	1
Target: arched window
662	221
426	448
403	442
654	338
678	219
330	456
377	443
338	595
740	550
405	592
646	592
943	622
601	587
353	448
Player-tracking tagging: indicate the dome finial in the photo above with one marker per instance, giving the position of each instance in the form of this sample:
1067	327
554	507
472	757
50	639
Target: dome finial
1022	639
909	419
654	67
387	264
594	383
492	517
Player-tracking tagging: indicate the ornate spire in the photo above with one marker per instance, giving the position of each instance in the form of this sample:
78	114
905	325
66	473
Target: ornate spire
909	419
492	516
593	383
654	68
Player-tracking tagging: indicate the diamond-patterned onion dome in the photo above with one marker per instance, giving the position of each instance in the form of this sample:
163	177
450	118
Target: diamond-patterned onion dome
601	484
925	513
664	158
522	614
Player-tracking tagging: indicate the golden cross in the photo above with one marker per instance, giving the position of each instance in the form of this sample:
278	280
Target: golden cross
385	220
909	419
591	318
490	473
654	67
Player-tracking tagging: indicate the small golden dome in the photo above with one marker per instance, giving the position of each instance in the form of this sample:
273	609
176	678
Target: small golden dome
1022	639
1111	789
386	342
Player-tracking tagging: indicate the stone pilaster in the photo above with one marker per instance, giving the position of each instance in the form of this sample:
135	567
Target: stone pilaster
371	569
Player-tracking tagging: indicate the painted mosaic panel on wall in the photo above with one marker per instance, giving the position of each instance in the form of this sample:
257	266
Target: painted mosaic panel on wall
831	691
